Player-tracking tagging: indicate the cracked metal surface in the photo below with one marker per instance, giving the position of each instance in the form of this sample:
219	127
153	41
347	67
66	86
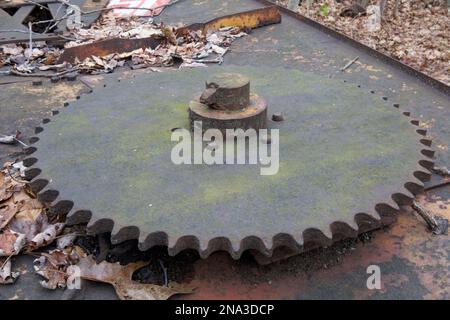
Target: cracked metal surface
346	158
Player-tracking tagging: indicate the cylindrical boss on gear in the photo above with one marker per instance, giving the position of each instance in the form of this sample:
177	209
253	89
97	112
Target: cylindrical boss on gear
227	91
227	103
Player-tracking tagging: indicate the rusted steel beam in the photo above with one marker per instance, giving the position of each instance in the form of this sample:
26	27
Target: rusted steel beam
105	47
245	20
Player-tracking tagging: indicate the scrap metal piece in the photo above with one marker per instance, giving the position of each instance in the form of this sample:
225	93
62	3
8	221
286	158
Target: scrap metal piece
345	164
245	20
251	19
13	29
105	47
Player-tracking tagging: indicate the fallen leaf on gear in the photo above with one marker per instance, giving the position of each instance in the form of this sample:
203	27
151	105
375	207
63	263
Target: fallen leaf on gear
120	277
6	276
11	242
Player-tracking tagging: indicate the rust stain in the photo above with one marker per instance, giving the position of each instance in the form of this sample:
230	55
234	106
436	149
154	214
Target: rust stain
408	240
105	47
245	20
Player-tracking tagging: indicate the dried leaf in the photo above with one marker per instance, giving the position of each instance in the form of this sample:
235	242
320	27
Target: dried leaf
55	278
29	221
54	267
5	187
7	139
138	291
7	213
65	241
47	236
120	277
11	242
6	276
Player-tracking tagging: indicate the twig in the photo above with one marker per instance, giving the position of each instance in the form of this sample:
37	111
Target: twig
6	261
438	225
11	176
21	142
348	65
443	171
30	29
166	280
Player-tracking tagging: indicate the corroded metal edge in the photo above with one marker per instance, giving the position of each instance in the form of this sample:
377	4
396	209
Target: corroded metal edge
383	214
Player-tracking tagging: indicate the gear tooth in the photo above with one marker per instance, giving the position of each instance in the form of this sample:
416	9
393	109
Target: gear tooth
77	216
422	132
29	162
96	226
426	142
119	235
428	153
33	140
48	195
426	164
422	176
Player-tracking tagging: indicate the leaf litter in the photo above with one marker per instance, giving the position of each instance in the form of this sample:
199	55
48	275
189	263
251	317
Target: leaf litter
26	226
193	49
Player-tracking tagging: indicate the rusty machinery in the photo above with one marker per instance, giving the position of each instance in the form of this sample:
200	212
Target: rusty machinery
344	164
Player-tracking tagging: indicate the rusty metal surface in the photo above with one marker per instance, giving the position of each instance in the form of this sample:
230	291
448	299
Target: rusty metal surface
106	47
414	263
245	20
303	46
250	19
363	158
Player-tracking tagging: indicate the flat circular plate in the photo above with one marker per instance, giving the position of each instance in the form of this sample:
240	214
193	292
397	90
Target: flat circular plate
342	153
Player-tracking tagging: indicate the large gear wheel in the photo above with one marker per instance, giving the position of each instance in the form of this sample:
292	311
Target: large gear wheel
348	158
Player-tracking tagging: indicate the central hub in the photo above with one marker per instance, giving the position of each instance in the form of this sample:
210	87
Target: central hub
227	103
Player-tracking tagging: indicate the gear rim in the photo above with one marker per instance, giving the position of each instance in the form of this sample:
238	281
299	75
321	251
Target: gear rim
308	237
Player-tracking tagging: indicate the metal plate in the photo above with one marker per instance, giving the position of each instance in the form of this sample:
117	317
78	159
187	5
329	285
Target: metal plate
343	153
